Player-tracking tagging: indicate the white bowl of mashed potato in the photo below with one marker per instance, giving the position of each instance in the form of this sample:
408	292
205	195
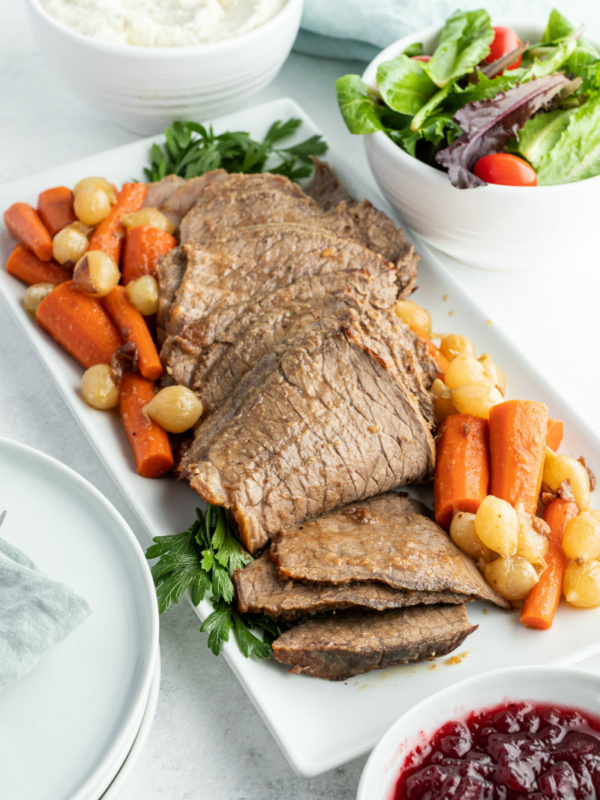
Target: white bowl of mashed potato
145	63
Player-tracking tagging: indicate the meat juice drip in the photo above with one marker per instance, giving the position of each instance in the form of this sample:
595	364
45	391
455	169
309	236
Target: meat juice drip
513	751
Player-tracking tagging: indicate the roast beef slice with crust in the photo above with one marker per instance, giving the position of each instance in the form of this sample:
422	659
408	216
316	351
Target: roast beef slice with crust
259	591
237	203
338	646
325	188
169	270
388	538
159	192
249	261
217	368
317	423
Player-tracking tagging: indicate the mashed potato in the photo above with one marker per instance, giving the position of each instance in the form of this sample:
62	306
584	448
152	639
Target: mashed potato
162	23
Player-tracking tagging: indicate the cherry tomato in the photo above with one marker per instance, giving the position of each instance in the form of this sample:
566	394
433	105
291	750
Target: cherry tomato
505	40
505	169
421	58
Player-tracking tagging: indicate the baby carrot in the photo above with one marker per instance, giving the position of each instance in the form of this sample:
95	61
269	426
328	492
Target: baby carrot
554	434
462	466
24	223
55	207
148	441
542	601
27	267
517	451
143	247
110	233
79	324
134	329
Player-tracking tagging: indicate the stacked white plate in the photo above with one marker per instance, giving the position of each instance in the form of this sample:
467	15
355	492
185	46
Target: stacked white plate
72	726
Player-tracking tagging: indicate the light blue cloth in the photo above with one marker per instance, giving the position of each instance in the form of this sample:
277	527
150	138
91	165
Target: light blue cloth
36	612
358	29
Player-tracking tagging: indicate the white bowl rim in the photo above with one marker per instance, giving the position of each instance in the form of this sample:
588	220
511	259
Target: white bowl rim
167	53
554	671
429	172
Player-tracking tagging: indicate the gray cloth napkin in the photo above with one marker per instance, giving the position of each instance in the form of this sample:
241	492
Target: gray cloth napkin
36	612
359	29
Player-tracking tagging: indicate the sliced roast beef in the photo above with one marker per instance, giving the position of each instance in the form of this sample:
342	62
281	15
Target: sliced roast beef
239	201
218	367
338	646
325	188
388	538
170	270
259	591
318	422
179	202
245	262
160	191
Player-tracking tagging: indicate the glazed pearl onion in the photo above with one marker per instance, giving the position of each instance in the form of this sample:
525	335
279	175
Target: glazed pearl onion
174	408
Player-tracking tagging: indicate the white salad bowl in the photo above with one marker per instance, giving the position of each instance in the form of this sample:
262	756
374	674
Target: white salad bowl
561	686
492	226
145	89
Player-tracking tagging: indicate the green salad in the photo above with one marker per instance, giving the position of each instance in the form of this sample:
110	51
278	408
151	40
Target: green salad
484	103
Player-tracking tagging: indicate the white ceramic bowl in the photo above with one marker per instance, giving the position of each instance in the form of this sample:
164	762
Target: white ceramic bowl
146	88
493	227
563	686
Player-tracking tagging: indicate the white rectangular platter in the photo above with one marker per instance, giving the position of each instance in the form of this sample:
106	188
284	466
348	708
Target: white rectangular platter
319	725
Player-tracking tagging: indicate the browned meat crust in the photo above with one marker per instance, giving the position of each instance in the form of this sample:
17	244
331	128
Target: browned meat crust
260	591
392	542
319	422
338	646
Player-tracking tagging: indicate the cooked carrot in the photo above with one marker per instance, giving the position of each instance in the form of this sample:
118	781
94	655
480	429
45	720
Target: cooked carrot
148	441
517	451
554	433
110	233
55	207
27	267
542	601
134	329
143	247
24	223
462	466
79	324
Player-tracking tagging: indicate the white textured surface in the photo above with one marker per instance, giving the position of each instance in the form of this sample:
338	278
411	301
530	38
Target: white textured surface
207	740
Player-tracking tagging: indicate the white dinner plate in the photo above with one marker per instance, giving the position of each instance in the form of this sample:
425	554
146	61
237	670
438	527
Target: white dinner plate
319	724
113	791
68	724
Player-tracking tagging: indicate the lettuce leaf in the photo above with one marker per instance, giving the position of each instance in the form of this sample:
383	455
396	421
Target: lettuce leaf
357	104
489	124
558	27
404	85
540	134
576	154
464	41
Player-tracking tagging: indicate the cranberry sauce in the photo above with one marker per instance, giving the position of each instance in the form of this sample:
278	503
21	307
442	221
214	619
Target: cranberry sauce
512	751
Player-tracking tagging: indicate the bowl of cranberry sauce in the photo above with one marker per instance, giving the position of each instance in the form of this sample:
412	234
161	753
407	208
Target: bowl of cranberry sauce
527	732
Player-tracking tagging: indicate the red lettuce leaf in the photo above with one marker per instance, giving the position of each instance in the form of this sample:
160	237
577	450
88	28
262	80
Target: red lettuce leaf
488	125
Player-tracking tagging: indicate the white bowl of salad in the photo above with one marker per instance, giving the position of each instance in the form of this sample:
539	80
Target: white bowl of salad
484	136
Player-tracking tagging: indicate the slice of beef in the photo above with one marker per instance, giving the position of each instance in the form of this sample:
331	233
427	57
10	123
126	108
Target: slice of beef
388	538
239	201
218	367
318	422
338	646
259	591
170	270
245	262
177	204
160	191
325	188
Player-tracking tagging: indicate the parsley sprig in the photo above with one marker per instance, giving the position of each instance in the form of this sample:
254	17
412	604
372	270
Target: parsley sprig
190	150
202	559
